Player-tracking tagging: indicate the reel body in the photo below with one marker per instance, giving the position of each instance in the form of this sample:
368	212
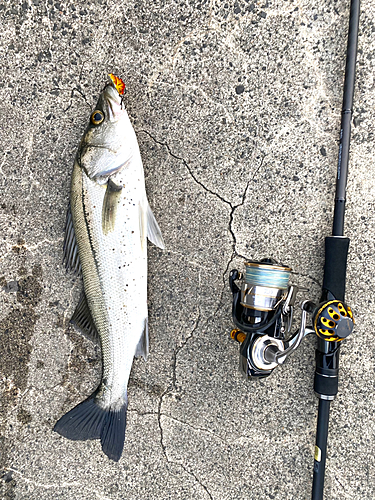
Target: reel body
262	311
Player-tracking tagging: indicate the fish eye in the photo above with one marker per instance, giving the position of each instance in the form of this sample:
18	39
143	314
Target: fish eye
97	117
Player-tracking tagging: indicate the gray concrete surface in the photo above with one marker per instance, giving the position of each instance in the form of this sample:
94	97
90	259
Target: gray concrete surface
236	106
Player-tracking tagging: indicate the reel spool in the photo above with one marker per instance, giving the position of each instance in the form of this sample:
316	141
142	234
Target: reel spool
263	287
262	311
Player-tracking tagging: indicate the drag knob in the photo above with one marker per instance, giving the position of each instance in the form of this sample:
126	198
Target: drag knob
333	321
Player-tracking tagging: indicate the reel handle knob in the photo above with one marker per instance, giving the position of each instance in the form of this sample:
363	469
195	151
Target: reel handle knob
309	306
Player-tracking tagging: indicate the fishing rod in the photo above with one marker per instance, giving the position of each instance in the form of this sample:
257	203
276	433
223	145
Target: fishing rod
264	300
336	251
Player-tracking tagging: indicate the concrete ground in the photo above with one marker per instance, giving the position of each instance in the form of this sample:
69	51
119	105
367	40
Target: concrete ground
236	106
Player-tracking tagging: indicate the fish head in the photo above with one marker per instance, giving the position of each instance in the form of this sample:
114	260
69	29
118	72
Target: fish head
109	142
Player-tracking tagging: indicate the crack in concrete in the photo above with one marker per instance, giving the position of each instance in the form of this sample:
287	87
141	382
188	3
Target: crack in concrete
179	349
314	280
198	429
234	208
164	448
72	95
182	422
174	377
159	413
235	253
197	480
337	480
187	166
142	413
213	193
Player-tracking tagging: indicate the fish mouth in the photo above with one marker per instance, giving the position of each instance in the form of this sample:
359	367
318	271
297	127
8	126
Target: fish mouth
113	100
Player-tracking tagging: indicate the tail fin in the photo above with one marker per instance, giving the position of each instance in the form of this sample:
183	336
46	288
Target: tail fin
89	420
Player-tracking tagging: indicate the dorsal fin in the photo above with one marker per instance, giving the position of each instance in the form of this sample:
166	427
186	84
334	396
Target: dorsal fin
71	257
82	319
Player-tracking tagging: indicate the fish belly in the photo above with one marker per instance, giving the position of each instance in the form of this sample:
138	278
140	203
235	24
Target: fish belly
114	269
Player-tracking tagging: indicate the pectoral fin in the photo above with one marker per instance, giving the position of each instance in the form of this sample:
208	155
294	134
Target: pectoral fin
111	201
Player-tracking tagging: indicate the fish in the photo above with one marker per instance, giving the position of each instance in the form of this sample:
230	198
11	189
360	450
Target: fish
107	223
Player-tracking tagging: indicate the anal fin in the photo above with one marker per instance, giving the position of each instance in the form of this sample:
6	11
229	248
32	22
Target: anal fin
82	319
143	344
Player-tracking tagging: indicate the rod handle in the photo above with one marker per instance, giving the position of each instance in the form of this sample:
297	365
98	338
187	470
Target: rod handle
336	255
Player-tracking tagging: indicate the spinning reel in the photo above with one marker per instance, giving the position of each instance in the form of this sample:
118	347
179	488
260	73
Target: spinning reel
263	305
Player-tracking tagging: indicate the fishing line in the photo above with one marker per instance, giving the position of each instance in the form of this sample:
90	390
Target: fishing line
266	275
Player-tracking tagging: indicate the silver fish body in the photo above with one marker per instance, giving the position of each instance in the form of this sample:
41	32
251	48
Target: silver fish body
107	226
